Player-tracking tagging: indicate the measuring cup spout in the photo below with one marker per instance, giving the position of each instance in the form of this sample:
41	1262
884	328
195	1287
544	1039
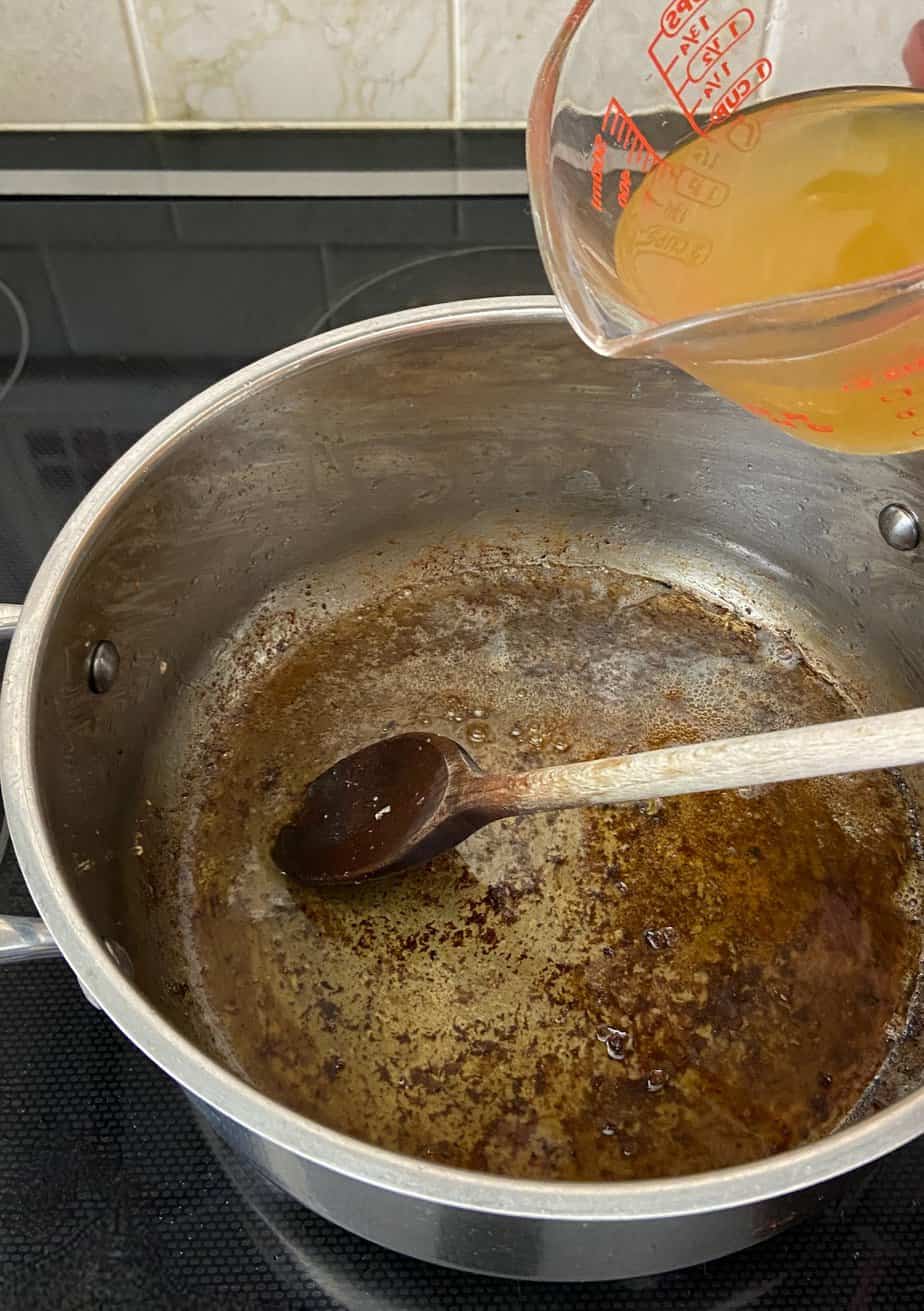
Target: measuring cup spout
771	244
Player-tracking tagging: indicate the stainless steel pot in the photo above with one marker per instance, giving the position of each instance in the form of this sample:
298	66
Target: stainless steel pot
442	416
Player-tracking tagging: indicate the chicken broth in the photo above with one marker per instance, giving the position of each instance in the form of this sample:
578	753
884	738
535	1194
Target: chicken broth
606	994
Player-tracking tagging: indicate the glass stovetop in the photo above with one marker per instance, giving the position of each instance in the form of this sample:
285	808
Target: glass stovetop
134	272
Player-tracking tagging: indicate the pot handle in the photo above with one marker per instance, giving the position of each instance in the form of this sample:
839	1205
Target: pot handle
21	938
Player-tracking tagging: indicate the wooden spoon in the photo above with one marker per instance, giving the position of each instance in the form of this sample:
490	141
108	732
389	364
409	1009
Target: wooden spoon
400	802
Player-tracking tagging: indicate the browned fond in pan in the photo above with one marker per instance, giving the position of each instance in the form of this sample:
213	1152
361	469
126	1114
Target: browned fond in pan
590	995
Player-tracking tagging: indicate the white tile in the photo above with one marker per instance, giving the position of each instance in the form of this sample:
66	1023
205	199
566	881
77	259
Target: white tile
66	61
300	61
503	43
850	44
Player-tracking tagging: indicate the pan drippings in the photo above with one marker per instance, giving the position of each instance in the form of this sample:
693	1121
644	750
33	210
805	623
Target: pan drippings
607	994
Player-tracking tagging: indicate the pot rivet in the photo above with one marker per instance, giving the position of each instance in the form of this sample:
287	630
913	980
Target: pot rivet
103	666
899	527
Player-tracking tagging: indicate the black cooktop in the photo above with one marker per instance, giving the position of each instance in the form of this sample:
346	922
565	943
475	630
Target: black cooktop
134	271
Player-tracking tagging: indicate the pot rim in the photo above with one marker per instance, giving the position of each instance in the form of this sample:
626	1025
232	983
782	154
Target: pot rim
790	1171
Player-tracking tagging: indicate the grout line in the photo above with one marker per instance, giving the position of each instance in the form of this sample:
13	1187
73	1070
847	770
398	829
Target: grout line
280	125
136	45
456	61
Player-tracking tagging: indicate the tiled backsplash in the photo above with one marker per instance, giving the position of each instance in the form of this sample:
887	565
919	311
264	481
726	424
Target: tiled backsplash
353	62
363	62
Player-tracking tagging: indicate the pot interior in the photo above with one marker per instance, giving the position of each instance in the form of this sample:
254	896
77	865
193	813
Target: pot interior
487	531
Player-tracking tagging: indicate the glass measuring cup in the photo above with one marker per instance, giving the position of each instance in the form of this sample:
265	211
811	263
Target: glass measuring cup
737	186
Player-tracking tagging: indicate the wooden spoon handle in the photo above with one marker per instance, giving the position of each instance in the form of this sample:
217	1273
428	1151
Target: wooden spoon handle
843	747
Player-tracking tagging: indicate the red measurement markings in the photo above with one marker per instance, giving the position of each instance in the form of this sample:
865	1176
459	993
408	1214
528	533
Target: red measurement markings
729	34
699	55
621	128
792	419
673	190
863	381
900	397
618	129
744	135
674	243
676	14
897	397
597	160
701	190
743	89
